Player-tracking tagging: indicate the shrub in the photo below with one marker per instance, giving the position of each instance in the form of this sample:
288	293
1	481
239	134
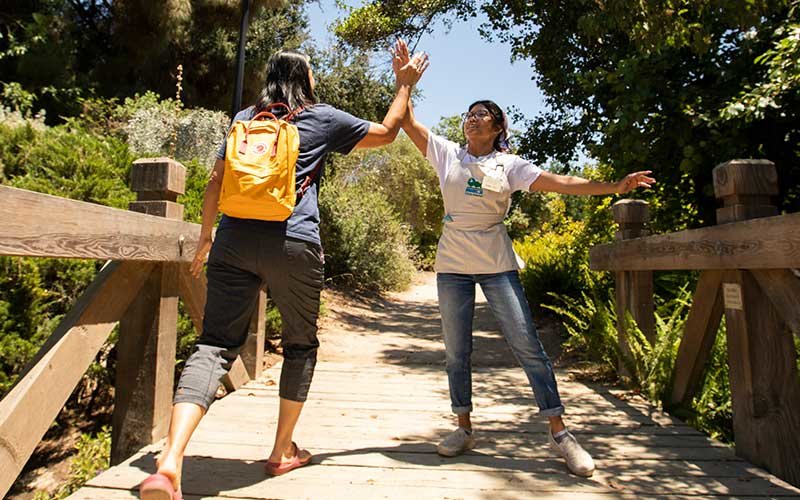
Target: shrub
591	324
410	185
365	244
67	161
197	133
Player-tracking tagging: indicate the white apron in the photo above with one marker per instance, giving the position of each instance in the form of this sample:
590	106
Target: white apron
474	239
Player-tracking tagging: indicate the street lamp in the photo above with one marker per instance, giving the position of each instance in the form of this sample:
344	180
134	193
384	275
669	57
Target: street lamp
237	91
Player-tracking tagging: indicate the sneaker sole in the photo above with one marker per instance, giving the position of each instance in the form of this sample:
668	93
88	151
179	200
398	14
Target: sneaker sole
557	450
449	453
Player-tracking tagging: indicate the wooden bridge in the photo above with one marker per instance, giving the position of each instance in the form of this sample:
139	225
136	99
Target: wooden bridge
373	420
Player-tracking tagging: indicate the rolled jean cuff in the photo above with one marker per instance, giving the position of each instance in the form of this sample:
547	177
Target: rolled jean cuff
552	412
461	410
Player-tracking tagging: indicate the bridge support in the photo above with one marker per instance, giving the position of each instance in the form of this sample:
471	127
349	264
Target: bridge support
148	331
634	289
763	359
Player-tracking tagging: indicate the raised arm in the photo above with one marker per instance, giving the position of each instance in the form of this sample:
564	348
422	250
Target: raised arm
407	73
571	184
416	131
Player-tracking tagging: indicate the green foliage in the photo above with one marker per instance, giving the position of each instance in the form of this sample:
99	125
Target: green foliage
66	161
61	51
184	135
650	364
559	231
93	455
591	323
366	246
400	175
451	128
379	22
346	80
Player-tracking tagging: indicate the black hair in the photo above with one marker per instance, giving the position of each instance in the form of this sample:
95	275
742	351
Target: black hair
287	81
499	119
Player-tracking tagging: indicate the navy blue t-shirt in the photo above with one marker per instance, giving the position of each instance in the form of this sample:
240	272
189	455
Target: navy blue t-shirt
323	129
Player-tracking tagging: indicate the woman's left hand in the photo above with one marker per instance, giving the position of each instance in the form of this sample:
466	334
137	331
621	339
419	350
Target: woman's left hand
635	180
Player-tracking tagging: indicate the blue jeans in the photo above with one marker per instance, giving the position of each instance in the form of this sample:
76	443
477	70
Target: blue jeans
507	300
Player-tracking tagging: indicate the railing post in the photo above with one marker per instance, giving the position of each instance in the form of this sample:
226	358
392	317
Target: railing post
148	331
634	289
762	356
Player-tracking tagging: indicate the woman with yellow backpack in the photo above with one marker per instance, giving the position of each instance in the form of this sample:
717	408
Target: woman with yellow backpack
266	182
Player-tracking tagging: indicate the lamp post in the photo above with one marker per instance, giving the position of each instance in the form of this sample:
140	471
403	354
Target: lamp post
237	91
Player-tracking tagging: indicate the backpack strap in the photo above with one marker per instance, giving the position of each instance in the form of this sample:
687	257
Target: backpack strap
309	179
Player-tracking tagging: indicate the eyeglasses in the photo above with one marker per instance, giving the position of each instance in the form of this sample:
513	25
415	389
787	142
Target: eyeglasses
480	114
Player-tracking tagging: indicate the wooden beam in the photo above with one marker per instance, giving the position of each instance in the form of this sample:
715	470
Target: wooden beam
146	365
192	292
40	225
698	338
634	289
782	286
770	242
34	402
764	379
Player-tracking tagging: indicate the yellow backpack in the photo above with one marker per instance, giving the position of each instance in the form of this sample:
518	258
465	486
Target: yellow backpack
260	158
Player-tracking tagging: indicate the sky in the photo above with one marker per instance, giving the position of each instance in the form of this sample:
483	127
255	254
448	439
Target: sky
464	68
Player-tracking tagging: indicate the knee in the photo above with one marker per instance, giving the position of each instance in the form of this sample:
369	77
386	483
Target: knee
458	360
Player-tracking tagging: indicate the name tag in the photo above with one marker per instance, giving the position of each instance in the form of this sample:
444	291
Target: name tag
474	187
493	181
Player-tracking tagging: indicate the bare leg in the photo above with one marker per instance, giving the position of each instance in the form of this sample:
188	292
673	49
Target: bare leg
464	422
556	425
289	413
184	420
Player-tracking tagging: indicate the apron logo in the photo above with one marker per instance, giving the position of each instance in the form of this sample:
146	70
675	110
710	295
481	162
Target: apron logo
474	187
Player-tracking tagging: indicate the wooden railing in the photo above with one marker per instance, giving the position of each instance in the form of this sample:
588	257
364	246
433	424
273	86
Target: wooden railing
147	272
748	265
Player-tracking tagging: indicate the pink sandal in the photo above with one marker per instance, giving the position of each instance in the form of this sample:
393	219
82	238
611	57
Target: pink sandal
158	487
279	468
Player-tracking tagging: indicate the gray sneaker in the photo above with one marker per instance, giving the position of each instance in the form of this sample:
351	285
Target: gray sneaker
456	443
578	460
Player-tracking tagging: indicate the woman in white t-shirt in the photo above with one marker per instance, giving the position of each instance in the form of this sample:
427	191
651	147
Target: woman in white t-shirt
477	181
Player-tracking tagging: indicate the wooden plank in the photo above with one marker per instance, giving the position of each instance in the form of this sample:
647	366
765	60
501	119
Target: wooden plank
764	380
146	365
192	292
782	286
30	407
698	337
770	242
204	475
236	376
40	225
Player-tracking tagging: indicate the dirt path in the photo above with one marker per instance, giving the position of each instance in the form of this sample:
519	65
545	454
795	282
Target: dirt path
374	330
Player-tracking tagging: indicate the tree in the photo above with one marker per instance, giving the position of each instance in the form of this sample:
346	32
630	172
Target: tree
677	86
64	50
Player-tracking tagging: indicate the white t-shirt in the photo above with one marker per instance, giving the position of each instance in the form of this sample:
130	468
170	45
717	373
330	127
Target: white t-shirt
443	153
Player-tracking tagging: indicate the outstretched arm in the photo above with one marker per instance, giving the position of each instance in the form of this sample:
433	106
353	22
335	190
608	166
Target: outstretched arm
416	131
407	71
570	184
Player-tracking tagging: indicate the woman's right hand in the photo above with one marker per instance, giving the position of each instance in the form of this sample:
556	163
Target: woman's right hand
203	247
407	70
